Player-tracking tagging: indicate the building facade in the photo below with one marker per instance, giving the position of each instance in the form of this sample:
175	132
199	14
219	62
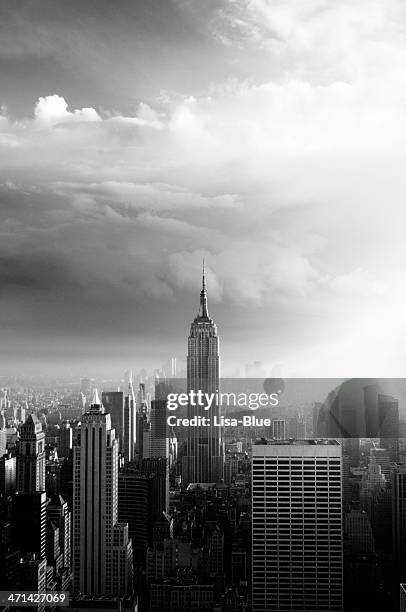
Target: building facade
297	548
97	535
204	459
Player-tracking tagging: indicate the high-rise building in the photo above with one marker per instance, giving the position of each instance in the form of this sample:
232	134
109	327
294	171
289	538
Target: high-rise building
159	446
130	423
58	512
359	532
99	542
134	508
122	410
31	456
158	469
65	440
399	517
204	459
3	441
8	474
388	414
278	429
29	523
297	549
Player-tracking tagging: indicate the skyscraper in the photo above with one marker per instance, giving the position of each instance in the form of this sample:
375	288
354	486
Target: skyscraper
99	541
278	429
399	517
204	459
31	456
65	439
122	410
296	526
58	512
29	522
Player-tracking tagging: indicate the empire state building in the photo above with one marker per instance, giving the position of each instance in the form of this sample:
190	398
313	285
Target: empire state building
204	460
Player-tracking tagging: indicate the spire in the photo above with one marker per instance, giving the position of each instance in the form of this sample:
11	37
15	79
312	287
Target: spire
95	400
203	311
96	405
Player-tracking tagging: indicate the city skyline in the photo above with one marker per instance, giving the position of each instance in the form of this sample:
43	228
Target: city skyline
263	136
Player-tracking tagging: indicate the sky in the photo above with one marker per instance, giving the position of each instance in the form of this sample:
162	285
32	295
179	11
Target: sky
138	137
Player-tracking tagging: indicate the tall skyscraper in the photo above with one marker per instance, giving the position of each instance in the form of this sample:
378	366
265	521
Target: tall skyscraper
65	440
31	456
297	554
122	410
102	553
204	459
29	522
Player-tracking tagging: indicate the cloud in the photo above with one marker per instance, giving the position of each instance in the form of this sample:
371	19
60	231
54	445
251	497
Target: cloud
52	110
290	184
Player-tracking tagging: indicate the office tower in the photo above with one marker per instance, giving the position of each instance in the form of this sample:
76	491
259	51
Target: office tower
399	517
278	429
66	480
65	440
141	422
388	415
59	513
134	504
31	456
96	534
173	367
297	552
122	410
130	422
230	469
113	402
159	446
29	522
8	474
53	549
3	441
381	457
158	469
359	532
204	459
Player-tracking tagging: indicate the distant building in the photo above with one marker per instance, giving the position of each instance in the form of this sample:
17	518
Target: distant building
278	429
31	456
122	410
65	440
